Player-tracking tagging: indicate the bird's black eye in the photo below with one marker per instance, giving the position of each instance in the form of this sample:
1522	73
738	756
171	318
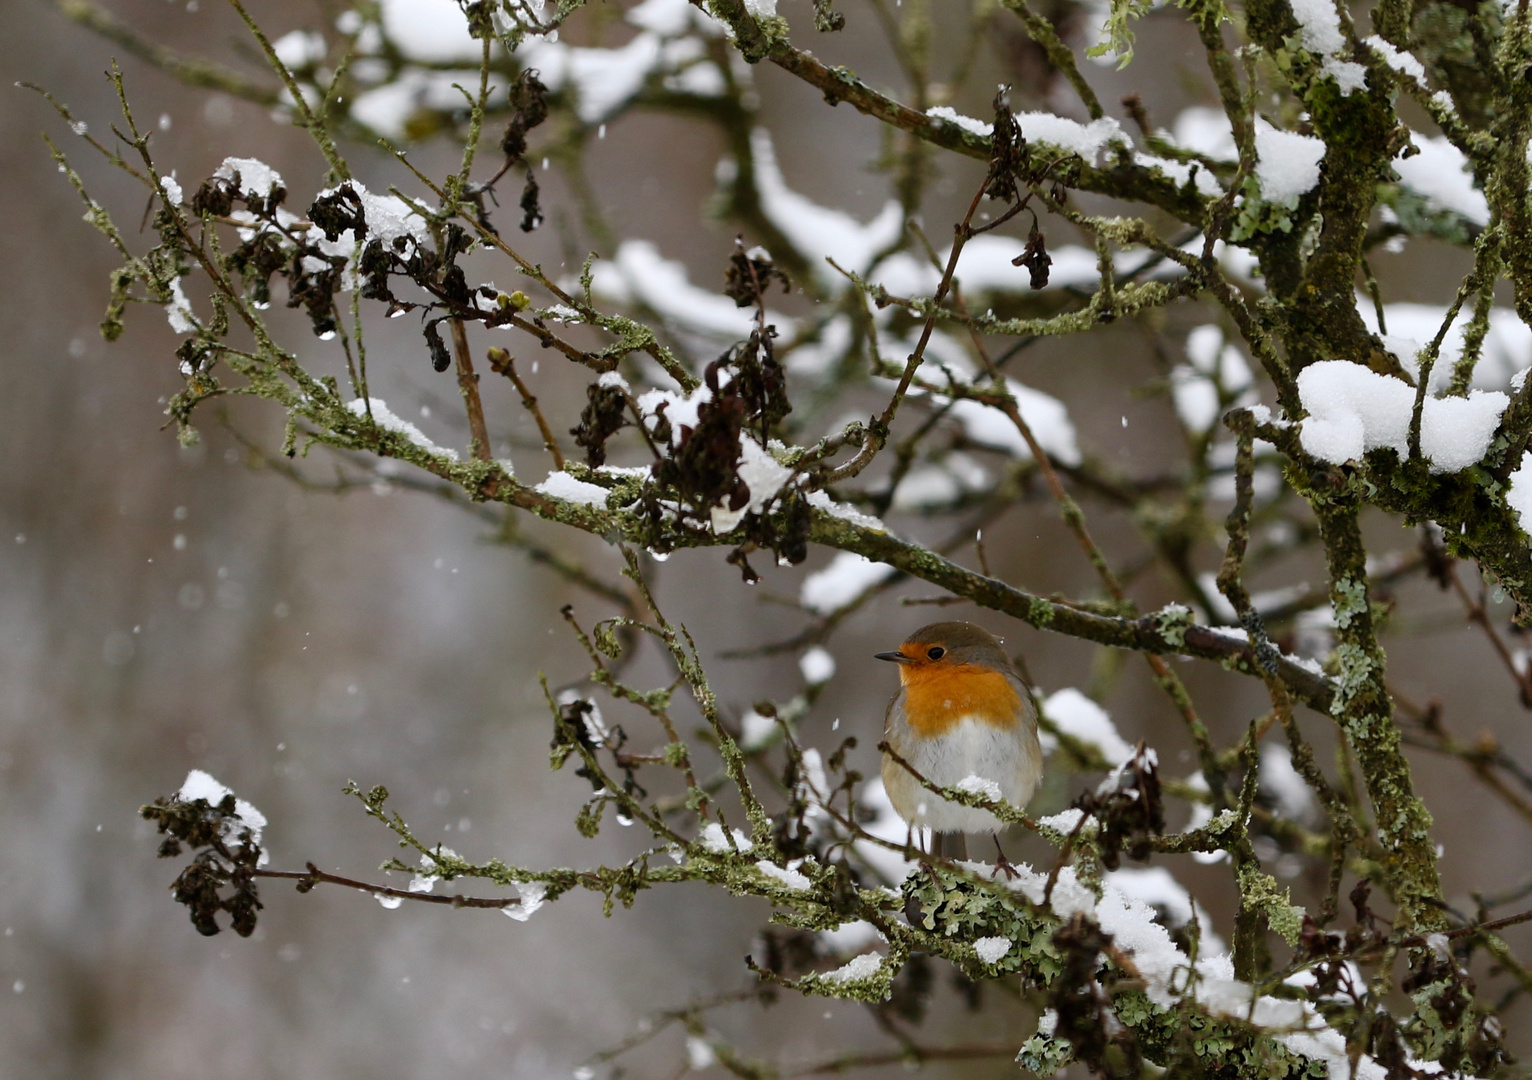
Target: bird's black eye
936	652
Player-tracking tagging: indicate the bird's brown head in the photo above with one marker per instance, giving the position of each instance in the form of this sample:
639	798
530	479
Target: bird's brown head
948	646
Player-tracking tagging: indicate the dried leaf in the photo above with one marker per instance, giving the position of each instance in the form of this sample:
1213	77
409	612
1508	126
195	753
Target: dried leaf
1035	258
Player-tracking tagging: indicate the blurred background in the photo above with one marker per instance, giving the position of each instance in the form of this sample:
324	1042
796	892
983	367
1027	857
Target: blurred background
166	608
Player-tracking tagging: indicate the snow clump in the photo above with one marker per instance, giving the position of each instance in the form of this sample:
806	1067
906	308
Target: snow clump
385	419
1215	367
1089	141
817	665
202	785
967	123
300	48
1155	886
532	894
426	877
940	484
1455	432
847	577
1518	496
820	500
712	839
816	231
756	731
1046	415
1287	163
762	474
862	967
1206	131
1353	409
257	180
639	274
178	311
1397	59
978	785
991	949
388	218
1319	31
428	31
1079	717
1285	786
1441	175
850	936
681	411
1407	65
699	1053
791	876
561	485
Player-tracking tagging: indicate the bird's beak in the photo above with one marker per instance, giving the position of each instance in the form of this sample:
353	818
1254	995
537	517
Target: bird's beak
896	657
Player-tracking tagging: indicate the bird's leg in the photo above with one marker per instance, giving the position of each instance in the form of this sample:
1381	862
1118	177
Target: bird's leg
924	856
1003	864
914	849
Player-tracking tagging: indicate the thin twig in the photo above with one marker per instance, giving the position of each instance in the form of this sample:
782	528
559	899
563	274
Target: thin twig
1477	615
193	71
307	879
911	1055
878	433
468	386
314	124
504	363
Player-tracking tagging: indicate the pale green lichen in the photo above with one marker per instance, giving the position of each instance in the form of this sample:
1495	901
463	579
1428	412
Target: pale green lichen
1259	891
867	978
1350	600
1172	621
1257	215
1044	1054
1432	1034
1355	668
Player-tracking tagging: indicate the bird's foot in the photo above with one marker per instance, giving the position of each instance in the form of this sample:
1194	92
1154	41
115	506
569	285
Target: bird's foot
1004	865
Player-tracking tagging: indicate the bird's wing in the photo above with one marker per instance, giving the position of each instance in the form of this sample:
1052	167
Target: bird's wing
1029	763
893	716
895	728
1028	703
903	790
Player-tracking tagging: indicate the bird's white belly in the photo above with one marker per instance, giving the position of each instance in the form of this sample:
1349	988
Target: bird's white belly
971	748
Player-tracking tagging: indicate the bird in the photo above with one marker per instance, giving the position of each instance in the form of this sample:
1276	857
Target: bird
961	710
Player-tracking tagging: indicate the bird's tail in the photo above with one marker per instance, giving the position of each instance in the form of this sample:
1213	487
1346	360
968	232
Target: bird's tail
952	845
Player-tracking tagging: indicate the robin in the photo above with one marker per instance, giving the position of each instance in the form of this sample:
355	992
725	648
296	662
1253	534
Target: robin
961	711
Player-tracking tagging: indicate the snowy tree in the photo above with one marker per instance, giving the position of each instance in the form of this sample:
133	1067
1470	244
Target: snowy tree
843	384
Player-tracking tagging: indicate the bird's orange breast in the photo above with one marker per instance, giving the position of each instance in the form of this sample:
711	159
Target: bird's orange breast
937	697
